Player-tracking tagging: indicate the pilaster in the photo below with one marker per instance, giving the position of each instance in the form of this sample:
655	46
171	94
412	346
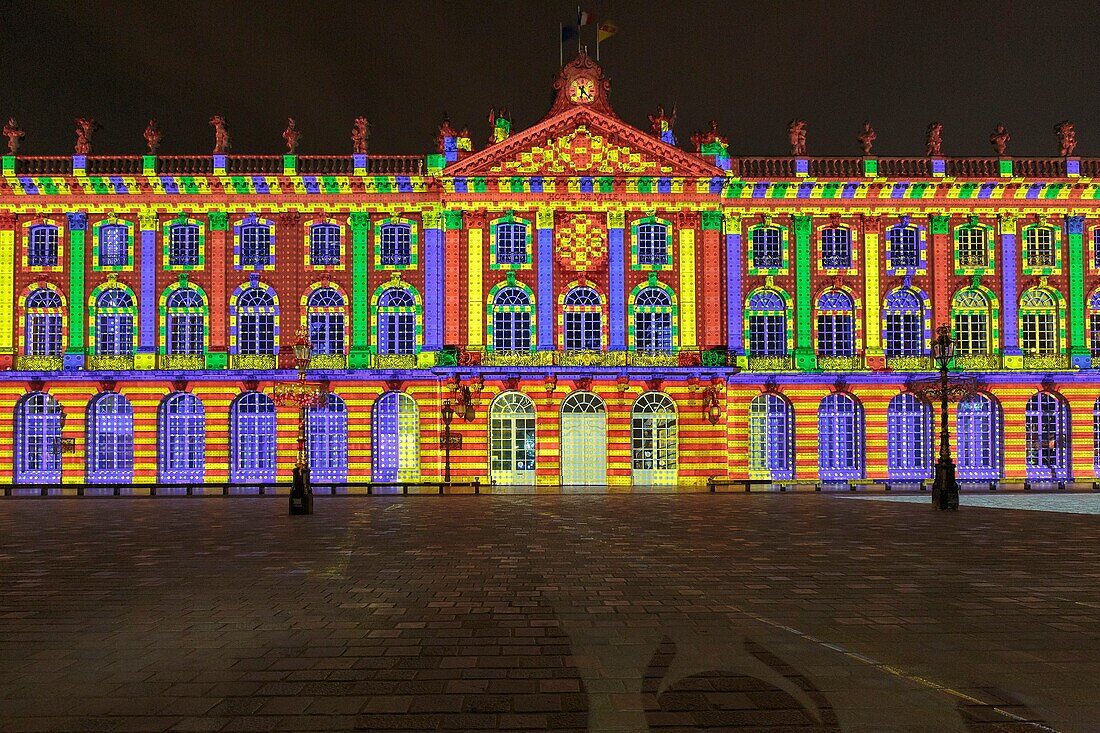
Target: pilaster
452	258
74	355
804	348
475	286
1078	349
686	264
8	224
735	297
545	225
147	320
434	280
616	279
708	267
1010	258
216	248
872	297
359	353
940	260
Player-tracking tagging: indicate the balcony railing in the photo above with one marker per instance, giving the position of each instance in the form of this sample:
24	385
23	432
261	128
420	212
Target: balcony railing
911	363
394	361
770	363
37	363
1046	362
181	362
328	361
591	358
109	362
253	362
852	363
978	362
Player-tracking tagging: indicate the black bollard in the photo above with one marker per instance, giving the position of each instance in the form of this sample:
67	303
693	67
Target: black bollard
301	494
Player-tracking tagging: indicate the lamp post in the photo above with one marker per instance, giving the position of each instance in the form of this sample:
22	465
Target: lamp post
302	395
448	415
945	490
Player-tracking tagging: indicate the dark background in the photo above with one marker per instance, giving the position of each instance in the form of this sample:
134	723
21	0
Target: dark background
753	66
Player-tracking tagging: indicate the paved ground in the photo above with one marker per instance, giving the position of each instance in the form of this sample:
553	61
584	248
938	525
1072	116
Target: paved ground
566	613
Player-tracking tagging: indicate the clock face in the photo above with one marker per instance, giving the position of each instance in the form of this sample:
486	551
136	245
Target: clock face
582	91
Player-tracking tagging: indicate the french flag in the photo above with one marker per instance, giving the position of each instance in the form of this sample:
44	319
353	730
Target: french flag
585	17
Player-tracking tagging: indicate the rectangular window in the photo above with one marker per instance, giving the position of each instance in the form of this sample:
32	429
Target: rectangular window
835	335
582	331
113	246
652	244
1038	336
971	334
42	247
768	335
396	245
904	247
44	334
185	333
904	334
183	245
836	248
511	247
324	245
255	246
972	249
767	251
653	332
1039	247
257	333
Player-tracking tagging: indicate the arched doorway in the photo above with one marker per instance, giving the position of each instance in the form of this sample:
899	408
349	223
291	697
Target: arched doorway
654	440
395	439
512	440
583	440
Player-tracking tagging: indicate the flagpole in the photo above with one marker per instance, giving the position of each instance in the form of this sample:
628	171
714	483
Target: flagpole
578	29
561	59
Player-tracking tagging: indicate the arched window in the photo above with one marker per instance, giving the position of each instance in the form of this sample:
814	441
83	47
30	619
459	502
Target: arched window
252	417
1040	247
114	323
182	432
324	245
767	324
396	322
971	246
840	436
836	335
110	429
114	245
583	320
583	440
1046	425
325	318
903	243
512	320
654	440
1039	322
327	438
396	244
255	322
1094	324
908	437
978	426
38	439
44	324
771	437
511	244
836	248
903	321
652	244
512	439
257	243
767	248
395	438
653	320
42	246
183	245
970	317
185	322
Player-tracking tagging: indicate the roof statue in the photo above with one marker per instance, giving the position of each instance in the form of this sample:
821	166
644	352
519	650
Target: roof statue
360	134
152	137
291	135
999	139
866	138
446	133
221	135
14	133
933	140
662	125
500	124
710	142
85	128
796	133
1067	138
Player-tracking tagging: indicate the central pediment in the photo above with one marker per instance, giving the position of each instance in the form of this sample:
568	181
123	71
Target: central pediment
583	142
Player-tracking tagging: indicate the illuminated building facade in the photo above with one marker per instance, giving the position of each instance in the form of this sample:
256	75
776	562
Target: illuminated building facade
598	305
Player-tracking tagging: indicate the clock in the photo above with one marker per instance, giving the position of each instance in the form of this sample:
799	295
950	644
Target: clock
582	90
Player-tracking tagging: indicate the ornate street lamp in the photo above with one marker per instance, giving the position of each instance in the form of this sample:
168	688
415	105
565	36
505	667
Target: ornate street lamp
303	395
945	490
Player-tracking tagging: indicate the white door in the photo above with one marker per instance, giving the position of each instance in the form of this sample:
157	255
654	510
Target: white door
583	440
512	440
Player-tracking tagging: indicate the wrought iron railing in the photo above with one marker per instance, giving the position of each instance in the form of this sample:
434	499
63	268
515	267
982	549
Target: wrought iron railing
852	363
518	358
910	363
109	362
783	363
590	358
38	363
328	361
394	361
253	362
978	362
1045	362
182	362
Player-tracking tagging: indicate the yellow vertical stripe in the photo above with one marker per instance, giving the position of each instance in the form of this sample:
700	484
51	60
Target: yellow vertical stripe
475	295
7	290
871	299
687	289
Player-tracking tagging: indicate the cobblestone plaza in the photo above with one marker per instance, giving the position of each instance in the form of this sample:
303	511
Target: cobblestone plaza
772	612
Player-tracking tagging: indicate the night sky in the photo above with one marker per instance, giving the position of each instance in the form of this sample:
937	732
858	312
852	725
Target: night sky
752	66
